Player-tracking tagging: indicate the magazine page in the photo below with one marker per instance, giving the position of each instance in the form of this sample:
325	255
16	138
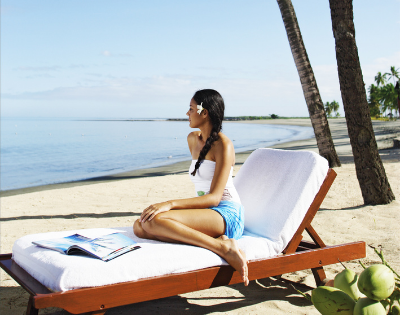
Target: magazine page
97	232
109	246
63	243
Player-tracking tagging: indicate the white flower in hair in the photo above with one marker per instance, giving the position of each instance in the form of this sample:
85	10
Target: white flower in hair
200	108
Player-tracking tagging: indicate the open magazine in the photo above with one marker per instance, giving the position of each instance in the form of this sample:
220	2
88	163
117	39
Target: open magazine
105	247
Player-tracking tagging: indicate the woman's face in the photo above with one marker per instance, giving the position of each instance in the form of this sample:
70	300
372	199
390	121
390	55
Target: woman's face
195	119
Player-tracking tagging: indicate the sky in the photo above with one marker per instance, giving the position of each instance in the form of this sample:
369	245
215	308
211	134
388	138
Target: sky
145	59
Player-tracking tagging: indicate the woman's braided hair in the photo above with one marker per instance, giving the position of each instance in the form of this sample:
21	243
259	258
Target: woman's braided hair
214	103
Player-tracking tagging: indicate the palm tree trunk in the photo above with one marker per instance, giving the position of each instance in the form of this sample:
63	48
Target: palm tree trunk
371	174
309	84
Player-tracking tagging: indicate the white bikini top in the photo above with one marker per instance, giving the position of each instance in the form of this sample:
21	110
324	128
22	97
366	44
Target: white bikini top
204	176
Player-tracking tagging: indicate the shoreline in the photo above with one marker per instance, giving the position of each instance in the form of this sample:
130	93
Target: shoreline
385	132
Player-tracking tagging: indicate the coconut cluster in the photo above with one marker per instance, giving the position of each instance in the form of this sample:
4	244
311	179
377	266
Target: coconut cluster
366	294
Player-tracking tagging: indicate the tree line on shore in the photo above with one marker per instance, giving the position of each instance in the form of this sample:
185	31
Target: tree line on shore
383	96
233	118
239	118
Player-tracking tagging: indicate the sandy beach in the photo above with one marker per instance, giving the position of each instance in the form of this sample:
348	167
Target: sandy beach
116	201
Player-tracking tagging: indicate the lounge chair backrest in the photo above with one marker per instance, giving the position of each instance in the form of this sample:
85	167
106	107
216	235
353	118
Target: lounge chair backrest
276	188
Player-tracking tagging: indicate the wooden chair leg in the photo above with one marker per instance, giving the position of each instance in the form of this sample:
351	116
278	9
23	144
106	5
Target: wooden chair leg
319	275
314	235
31	310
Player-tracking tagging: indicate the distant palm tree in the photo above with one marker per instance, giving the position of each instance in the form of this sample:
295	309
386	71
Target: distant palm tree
335	107
313	99
380	78
373	101
328	109
331	107
393	74
389	98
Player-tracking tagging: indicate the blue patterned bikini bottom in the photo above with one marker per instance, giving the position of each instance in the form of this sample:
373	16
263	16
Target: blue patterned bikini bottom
233	214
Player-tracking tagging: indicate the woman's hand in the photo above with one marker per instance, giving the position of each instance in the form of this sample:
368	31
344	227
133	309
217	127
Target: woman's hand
151	211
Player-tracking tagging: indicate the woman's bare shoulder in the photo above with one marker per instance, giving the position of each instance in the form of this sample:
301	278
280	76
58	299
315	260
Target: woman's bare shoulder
192	139
193	136
224	146
225	141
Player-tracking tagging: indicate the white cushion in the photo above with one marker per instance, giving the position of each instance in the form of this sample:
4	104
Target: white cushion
276	188
60	272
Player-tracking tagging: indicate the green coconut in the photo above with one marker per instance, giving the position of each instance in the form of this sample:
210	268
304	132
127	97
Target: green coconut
332	301
347	282
367	306
376	282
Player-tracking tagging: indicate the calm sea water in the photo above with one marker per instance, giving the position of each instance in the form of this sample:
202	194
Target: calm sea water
38	152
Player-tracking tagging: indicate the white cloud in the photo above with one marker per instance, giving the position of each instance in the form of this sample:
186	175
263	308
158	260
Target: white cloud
6	9
123	89
379	65
165	94
328	82
39	68
169	95
77	66
107	53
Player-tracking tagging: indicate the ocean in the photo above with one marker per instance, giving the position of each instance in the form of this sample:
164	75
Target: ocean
37	152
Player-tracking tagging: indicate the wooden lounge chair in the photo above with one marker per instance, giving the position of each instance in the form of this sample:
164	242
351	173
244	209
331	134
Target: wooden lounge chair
298	255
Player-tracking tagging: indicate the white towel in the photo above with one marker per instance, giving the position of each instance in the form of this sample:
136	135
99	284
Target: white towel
276	188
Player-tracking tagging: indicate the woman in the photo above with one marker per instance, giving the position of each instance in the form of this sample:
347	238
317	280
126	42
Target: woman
214	219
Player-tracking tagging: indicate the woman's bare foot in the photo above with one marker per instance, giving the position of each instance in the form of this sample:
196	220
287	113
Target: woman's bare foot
235	257
223	237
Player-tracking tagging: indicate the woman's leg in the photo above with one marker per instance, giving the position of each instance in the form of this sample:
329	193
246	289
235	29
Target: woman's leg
199	227
206	221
